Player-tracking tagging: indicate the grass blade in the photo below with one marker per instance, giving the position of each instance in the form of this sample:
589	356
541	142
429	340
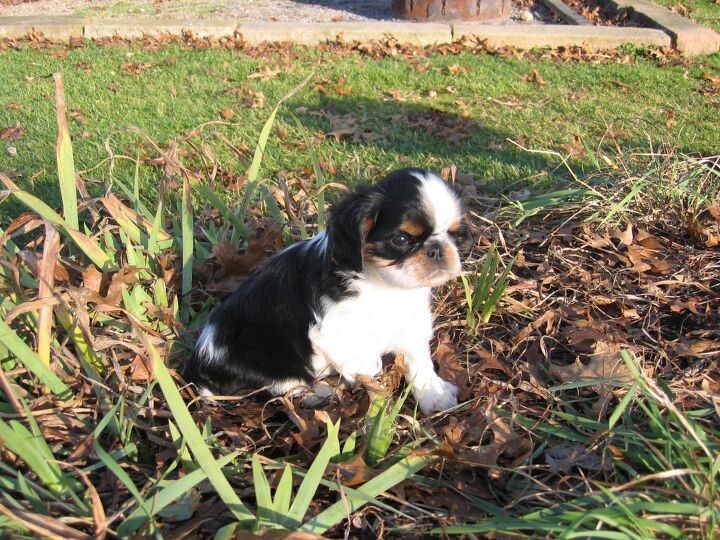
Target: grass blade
65	161
46	277
310	483
218	203
167	496
85	243
283	493
319	175
615	416
399	472
254	170
20	441
30	360
263	497
194	439
136	226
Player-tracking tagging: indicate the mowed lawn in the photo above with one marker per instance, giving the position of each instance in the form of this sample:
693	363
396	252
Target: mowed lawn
364	115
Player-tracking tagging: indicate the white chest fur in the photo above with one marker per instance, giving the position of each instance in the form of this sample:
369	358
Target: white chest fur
355	332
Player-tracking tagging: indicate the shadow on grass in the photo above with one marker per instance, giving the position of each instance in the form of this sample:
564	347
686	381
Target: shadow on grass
393	134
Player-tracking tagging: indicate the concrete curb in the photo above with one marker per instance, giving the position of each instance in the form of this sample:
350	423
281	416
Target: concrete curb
422	34
591	38
60	28
566	13
689	38
133	28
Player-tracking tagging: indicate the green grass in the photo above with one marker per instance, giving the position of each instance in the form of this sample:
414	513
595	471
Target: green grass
181	89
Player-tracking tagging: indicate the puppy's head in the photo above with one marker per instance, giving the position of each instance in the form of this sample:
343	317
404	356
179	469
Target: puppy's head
405	231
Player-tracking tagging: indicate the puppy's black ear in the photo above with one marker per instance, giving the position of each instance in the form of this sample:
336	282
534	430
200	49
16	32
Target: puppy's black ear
351	220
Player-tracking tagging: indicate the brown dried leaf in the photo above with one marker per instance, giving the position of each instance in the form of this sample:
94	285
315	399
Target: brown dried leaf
355	471
265	73
266	240
455	69
534	78
694	348
605	363
46	277
11	133
139	370
449	368
566	456
92	279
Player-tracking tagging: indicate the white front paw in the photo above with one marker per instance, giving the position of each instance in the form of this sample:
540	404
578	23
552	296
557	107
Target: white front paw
436	395
367	368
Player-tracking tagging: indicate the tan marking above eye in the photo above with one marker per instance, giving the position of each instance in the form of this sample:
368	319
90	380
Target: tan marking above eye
454	227
366	226
413	228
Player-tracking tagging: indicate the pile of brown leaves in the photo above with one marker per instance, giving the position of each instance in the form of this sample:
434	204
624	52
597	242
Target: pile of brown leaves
390	47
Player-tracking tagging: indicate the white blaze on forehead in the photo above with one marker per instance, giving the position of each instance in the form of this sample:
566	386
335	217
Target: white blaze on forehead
439	200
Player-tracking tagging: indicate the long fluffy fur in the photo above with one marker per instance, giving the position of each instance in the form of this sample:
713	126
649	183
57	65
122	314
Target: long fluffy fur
337	302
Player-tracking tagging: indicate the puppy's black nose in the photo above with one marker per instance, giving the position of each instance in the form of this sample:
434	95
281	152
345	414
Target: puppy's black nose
435	251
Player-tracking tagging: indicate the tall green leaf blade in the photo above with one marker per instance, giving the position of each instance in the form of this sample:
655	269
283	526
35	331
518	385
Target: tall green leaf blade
84	242
310	483
218	203
263	496
31	361
64	156
254	170
19	440
167	496
319	175
283	492
194	439
399	472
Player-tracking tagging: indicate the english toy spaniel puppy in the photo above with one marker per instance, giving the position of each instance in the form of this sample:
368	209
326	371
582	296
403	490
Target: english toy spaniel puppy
339	301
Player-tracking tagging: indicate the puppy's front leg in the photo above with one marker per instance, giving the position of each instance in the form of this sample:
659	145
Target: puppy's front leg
345	354
431	392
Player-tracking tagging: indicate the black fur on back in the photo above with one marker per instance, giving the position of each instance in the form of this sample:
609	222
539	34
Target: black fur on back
262	328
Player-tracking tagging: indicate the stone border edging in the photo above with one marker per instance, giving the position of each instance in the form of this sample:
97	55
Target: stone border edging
591	38
688	37
566	13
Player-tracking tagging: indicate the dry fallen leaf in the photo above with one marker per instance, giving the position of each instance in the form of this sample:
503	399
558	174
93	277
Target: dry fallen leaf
265	241
448	366
534	78
606	366
11	133
566	456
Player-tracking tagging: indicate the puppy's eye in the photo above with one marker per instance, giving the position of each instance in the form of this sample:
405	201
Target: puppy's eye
400	240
